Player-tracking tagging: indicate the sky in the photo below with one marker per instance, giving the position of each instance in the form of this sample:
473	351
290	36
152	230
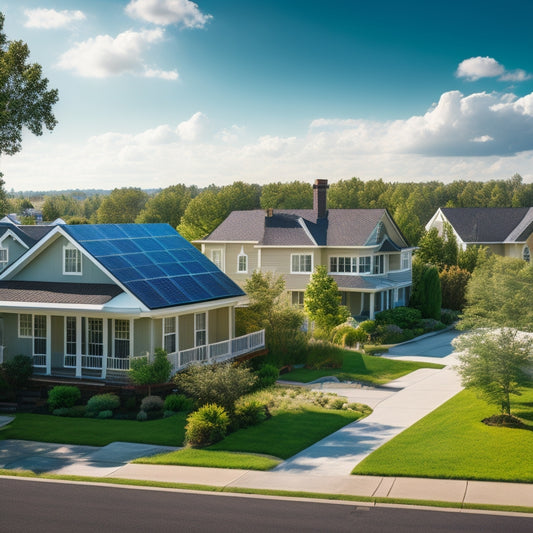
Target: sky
158	92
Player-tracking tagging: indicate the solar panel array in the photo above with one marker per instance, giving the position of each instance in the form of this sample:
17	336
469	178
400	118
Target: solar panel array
155	263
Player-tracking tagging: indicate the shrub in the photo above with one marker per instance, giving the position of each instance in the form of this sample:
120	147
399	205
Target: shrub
207	425
17	371
250	412
355	336
105	414
178	402
168	414
368	326
267	375
336	403
152	403
61	411
103	402
448	316
222	384
430	324
142	416
403	317
324	355
63	396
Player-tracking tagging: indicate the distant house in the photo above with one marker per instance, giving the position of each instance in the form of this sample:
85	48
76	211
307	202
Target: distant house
363	250
83	300
506	231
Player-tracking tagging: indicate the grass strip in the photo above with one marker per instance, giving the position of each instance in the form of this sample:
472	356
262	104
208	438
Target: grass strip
267	492
361	367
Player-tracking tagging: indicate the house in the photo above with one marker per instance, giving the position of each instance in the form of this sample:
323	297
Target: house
84	299
363	250
506	231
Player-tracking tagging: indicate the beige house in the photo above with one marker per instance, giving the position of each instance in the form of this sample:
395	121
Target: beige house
84	300
363	250
506	231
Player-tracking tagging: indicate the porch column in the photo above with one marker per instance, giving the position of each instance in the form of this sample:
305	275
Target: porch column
152	347
78	346
132	339
372	306
105	347
48	344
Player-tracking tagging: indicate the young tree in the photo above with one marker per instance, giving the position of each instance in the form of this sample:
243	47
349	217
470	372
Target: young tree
25	100
144	372
495	363
322	302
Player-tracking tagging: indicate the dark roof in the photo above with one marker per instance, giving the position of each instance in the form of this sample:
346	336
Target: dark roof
29	234
58	293
485	224
155	263
300	227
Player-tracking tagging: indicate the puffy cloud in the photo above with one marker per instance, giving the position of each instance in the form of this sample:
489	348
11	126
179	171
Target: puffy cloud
50	18
164	12
162	74
105	56
192	129
478	67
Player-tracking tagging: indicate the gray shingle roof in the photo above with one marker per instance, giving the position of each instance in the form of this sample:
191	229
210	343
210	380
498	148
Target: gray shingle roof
299	227
486	224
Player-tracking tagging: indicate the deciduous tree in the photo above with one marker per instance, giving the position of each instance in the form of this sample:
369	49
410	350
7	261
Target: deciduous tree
122	206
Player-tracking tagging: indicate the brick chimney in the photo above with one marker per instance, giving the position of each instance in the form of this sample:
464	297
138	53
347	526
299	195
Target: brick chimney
320	197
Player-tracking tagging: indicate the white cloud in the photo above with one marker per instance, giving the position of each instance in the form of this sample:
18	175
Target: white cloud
162	74
105	56
232	134
50	18
164	12
479	67
192	129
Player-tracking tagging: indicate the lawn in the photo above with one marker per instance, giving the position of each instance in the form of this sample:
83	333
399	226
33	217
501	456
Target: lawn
360	367
93	432
452	442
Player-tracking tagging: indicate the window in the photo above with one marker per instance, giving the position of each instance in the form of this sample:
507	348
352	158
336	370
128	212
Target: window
526	254
365	265
200	329
297	298
216	257
406	260
169	334
39	335
122	338
95	336
70	335
4	255
343	264
301	263
71	260
25	326
378	264
242	263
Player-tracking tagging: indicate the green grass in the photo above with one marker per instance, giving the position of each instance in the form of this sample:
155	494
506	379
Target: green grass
288	432
93	432
452	442
360	367
211	458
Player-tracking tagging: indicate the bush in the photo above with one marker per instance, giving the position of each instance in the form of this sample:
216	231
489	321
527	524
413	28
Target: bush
102	402
250	412
178	402
267	375
105	414
63	396
17	371
324	355
206	426
77	411
430	324
448	316
152	403
142	416
368	326
403	317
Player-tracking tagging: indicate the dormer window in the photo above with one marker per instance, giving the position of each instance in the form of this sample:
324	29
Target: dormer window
71	260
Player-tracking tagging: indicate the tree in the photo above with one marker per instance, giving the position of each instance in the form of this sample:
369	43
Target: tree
168	205
345	194
430	248
471	257
453	282
60	206
499	295
121	206
495	363
322	302
25	100
426	295
145	372
294	195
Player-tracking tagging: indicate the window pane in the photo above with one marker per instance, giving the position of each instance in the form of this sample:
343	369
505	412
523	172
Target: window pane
71	335
25	326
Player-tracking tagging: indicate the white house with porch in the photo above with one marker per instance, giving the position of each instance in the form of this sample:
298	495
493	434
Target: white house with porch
85	299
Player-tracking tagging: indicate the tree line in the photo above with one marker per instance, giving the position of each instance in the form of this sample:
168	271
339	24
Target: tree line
196	212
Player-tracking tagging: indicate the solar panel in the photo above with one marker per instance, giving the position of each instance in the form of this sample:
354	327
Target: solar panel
115	261
150	271
147	293
127	274
137	260
172	269
126	246
134	230
191	288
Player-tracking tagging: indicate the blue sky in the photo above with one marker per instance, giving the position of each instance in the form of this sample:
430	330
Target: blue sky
158	92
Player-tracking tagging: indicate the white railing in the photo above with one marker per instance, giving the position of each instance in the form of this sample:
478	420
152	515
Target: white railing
69	361
122	363
91	362
39	361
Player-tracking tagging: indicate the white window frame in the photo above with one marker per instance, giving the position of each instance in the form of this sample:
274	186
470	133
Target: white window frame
170	332
378	264
297	298
28	327
68	329
366	260
91	332
301	259
219	262
40	333
200	330
121	334
76	261
242	268
4	255
405	261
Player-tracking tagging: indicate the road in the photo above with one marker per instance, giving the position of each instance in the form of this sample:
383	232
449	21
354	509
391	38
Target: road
27	505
